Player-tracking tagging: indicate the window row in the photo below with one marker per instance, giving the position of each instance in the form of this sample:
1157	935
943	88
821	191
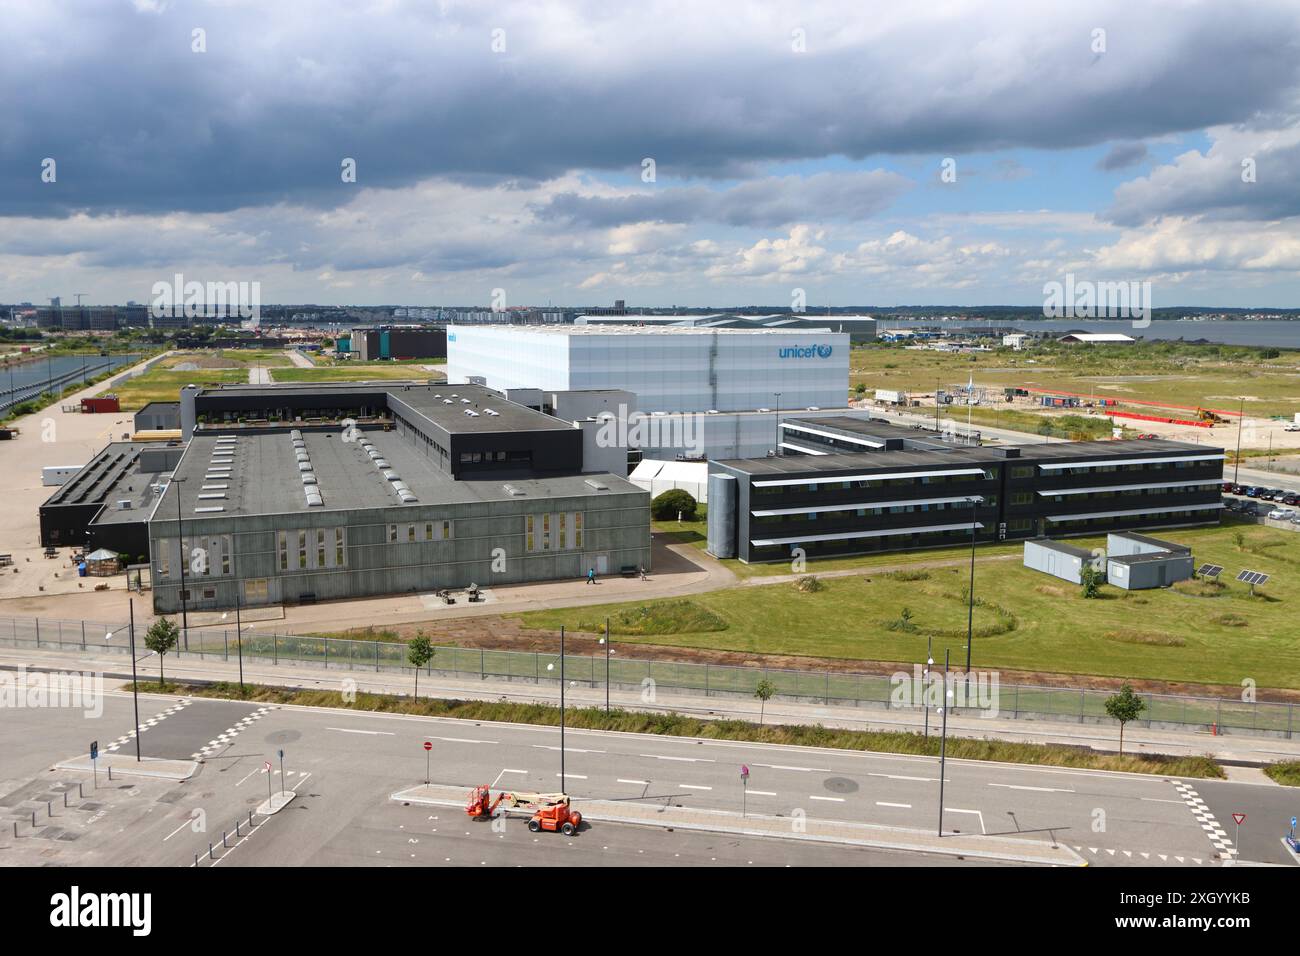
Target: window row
435	530
559	531
311	549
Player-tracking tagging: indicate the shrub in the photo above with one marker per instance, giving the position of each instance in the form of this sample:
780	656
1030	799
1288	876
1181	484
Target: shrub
666	506
809	584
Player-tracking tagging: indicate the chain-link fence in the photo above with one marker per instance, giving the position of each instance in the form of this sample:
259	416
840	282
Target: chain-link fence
1019	701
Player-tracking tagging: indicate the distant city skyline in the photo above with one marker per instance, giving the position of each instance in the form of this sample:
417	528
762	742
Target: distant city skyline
572	153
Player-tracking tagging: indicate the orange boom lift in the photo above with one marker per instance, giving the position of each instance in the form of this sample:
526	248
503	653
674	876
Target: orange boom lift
551	811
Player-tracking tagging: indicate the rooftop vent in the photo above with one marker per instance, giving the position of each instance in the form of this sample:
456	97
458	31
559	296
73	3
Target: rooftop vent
209	509
513	491
491	412
308	478
471	413
304	466
597	484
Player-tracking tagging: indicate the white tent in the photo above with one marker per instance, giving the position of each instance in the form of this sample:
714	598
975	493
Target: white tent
657	477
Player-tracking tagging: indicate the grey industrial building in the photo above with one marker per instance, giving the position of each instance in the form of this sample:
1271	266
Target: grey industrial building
1137	562
158	416
301	493
896	491
1061	560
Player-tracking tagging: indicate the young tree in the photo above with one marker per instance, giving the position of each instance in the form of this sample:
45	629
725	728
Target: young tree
1091	578
419	652
763	692
1124	706
162	636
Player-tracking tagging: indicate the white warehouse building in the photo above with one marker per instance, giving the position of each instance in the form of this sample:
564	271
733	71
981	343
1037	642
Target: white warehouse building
668	369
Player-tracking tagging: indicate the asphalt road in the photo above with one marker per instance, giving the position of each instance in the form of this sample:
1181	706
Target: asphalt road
343	766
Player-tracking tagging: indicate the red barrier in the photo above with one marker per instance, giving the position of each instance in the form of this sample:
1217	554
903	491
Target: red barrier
1157	418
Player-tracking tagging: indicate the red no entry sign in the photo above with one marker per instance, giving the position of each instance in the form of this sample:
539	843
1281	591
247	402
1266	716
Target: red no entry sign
428	745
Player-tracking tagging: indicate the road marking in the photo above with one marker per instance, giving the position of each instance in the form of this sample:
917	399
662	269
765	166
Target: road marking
351	730
572	750
575	776
1016	786
899	776
178	829
682	759
901	806
762	793
976	812
828	799
693	786
251	773
1160	800
642	783
777	766
504	772
461	740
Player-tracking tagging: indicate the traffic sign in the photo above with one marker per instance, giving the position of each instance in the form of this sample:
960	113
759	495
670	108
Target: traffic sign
1293	823
744	772
268	766
1240	818
281	753
94	749
428	745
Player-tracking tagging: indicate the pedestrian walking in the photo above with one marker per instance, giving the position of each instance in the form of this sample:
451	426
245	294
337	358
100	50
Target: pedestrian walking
591	575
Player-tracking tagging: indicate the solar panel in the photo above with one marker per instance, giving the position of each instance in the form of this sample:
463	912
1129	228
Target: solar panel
1252	577
1210	570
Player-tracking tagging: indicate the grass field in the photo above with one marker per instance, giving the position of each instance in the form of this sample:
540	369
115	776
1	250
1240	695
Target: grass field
1212	376
1024	620
353	372
164	385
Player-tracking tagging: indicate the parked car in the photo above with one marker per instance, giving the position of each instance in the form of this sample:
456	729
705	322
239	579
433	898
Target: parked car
1252	491
1227	487
1238	489
1275	494
1280	514
1291	498
1293	427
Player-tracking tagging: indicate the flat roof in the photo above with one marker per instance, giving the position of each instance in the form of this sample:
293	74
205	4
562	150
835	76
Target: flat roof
1085	452
612	328
92	483
1152	542
1069	549
443	404
258	474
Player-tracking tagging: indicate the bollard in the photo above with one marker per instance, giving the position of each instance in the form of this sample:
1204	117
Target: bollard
250	819
81	794
210	856
49	808
65	798
110	773
237	823
224	845
196	859
33	819
15	829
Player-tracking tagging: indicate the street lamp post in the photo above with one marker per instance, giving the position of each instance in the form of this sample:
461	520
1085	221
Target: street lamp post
605	640
180	542
943	743
970	610
1241	417
925	683
135	684
777	418
563	789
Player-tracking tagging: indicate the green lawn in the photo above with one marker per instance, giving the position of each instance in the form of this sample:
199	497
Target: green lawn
165	385
1029	621
358	373
1212	376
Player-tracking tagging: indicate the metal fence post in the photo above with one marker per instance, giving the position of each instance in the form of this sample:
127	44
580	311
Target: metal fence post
83	635
275	650
376	657
1082	705
38	632
706	678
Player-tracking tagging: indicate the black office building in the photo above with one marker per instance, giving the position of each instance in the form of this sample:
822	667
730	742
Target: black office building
898	490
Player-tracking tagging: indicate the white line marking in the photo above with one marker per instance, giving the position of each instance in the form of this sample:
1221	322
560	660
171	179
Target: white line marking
575	776
506	771
899	776
682	759
828	799
761	793
1015	786
693	786
1159	800
572	750
901	806
643	783
461	740
351	730
777	766
177	830
976	812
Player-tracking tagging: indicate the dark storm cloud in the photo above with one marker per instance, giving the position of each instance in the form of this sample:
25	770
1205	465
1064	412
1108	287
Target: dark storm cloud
1122	156
765	203
285	91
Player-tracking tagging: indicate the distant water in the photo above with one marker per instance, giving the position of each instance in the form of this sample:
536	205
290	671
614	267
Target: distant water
1279	334
40	369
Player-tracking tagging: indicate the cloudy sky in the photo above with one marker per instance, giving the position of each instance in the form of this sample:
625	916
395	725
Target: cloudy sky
660	152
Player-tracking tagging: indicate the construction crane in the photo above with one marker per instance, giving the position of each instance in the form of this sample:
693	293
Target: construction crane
79	295
551	811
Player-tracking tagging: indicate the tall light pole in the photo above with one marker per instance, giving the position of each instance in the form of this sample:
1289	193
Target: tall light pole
943	743
777	421
135	684
1241	417
970	611
180	542
925	683
552	667
605	640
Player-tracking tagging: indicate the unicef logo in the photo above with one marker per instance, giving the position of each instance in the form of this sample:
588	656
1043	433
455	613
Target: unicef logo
800	352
